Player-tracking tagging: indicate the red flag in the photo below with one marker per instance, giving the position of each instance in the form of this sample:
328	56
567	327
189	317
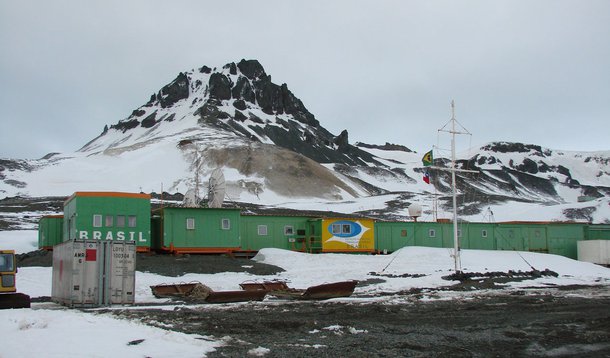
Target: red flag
427	177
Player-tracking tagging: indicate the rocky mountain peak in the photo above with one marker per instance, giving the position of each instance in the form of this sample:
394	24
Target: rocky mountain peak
241	99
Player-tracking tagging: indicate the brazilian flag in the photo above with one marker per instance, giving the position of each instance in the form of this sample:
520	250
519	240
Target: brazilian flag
427	159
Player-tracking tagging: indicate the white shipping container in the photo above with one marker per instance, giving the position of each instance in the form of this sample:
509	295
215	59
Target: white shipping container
595	251
94	273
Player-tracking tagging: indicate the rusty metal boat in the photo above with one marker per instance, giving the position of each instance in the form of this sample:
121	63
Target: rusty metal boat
319	292
198	292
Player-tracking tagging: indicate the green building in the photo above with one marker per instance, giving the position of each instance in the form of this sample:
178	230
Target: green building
108	216
545	237
50	231
196	230
282	232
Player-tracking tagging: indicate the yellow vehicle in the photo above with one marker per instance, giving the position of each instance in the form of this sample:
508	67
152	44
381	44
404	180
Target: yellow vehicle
9	298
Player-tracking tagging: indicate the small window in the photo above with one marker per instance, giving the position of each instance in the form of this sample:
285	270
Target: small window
403	233
226	224
288	230
347	229
131	221
97	220
511	233
120	220
483	233
431	233
190	223
336	229
7	264
262	230
109	221
459	232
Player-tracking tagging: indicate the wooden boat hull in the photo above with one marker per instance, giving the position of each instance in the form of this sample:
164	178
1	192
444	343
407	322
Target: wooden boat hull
198	292
318	292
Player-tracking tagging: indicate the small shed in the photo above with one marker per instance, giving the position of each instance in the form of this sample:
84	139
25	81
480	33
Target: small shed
50	231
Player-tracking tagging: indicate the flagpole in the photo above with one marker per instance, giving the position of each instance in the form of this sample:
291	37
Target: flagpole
456	240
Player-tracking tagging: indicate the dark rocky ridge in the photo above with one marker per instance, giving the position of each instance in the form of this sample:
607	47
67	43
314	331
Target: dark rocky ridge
253	88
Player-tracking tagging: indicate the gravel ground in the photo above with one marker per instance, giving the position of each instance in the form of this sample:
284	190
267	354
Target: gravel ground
520	324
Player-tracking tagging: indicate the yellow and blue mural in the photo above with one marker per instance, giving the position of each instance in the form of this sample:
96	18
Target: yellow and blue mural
346	235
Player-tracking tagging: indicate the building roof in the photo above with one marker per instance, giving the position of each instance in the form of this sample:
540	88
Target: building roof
108	194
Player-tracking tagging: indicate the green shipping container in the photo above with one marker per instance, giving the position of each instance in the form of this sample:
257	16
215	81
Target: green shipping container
50	231
196	230
109	216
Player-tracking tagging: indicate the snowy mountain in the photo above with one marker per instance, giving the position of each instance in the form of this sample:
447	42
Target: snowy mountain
273	151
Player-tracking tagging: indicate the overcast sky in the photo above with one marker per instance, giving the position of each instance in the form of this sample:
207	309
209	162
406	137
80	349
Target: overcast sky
528	71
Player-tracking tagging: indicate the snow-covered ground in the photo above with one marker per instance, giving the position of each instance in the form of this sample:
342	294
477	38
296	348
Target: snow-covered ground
49	330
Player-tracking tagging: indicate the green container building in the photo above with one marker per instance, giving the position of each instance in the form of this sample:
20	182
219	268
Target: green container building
391	236
110	216
597	232
282	232
477	236
196	230
433	234
562	239
544	237
50	231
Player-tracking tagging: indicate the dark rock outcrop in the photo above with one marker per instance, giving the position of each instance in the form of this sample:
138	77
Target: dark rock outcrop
178	89
386	146
149	121
243	91
220	87
509	147
126	125
252	69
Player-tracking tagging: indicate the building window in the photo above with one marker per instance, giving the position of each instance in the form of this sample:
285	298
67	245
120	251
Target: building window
483	233
131	221
347	229
336	229
109	221
288	230
226	224
403	233
190	223
262	230
97	220
431	233
120	220
459	232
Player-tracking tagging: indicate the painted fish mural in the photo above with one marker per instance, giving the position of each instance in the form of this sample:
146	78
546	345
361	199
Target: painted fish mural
347	232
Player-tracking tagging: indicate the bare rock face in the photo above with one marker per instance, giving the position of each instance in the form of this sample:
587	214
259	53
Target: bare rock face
220	87
252	69
178	89
243	91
